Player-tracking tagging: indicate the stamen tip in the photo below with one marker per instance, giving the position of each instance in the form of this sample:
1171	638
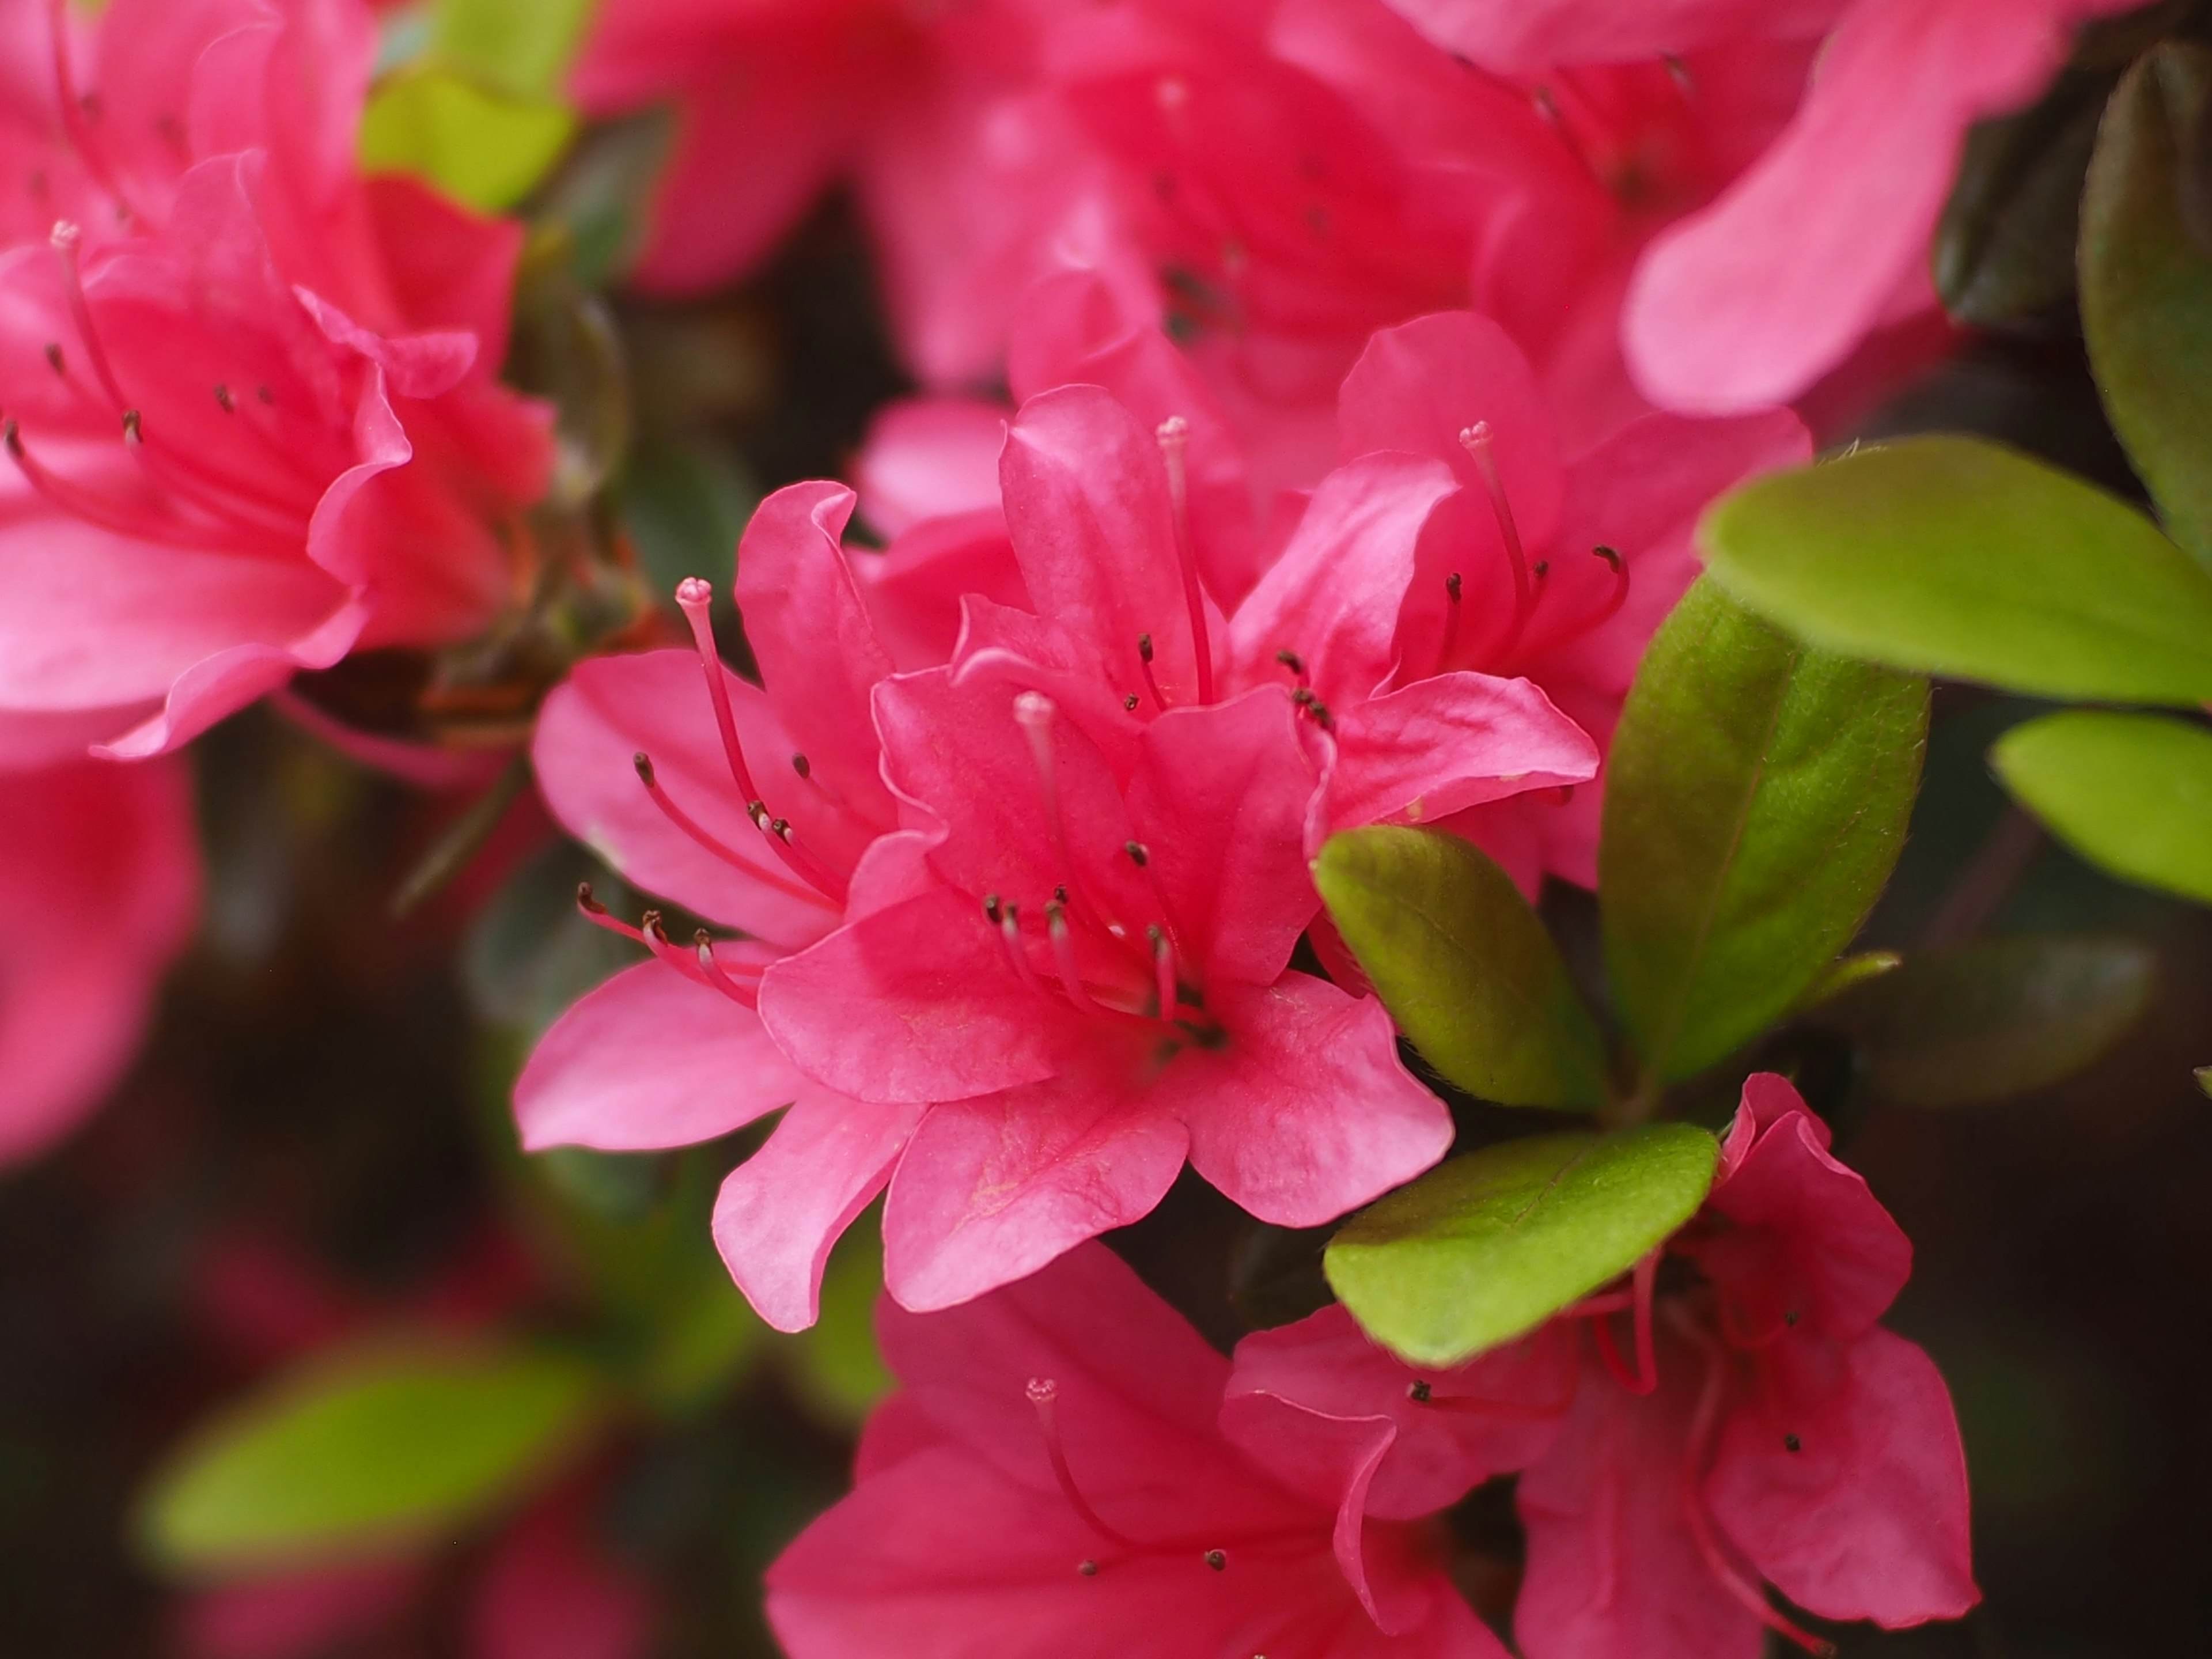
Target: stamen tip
1042	1391
694	591
643	764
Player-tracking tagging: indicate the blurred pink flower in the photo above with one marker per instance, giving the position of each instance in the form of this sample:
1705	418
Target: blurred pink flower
1767	1429
100	878
251	412
1825	237
1052	1480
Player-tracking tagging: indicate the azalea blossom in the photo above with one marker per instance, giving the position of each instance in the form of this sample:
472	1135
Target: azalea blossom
250	417
1825	236
1050	1480
1763	1426
99	878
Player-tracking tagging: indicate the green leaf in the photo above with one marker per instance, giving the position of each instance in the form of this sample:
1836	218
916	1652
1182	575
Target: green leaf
522	47
477	144
1956	556
1995	1018
1756	800
835	1366
2147	288
2005	247
1485	1248
1464	966
365	1453
2132	793
1847	973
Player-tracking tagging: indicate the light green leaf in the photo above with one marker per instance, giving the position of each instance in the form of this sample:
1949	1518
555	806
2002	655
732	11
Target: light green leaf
1848	973
1995	1016
477	145
1464	966
1485	1248
365	1453
522	47
2147	287
2132	793
1756	800
1956	556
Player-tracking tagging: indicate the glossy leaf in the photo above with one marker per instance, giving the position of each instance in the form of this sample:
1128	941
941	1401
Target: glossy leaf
1463	965
477	144
1485	1248
363	1454
1756	800
2147	287
1956	557
1995	1016
2132	793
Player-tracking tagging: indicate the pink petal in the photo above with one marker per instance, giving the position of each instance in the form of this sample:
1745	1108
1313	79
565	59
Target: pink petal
916	1002
1086	501
930	458
1531	36
782	1210
809	632
1751	300
1325	1365
1868	1519
1448	742
1220	800
649	1060
993	1189
916	590
611	709
1305	1113
1334	596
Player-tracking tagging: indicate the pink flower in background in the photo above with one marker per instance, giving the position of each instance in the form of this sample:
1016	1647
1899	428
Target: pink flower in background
1051	1480
251	420
756	809
1823	237
1766	1428
99	880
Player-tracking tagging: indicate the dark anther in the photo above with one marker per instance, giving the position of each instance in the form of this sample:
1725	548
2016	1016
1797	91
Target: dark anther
1059	895
586	903
1418	1391
1054	911
1304	698
134	428
703	939
1608	556
1790	1318
643	762
991	908
1791	1442
1138	855
1452	586
228	403
757	812
1218	1559
1543	568
1291	660
265	394
781	827
1144	646
1088	1569
801	765
12	438
650	923
54	358
1129	702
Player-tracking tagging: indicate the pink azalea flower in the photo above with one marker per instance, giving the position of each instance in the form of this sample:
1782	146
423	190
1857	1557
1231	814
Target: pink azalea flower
1051	1480
1825	236
100	878
755	809
973	178
1765	1427
252	418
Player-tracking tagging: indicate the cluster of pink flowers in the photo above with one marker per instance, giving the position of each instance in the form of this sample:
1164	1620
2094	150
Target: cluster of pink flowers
1070	1468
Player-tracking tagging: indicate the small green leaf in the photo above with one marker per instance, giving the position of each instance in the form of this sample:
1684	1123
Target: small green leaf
1956	556
2132	793
1847	973
1485	1248
520	46
365	1453
2204	1076
1464	966
2147	287
1995	1018
1756	798
479	145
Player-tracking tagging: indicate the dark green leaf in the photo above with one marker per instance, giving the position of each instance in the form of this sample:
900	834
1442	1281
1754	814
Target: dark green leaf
2005	248
1485	1248
1756	800
2132	793
2147	287
1995	1018
1956	556
364	1453
1463	965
